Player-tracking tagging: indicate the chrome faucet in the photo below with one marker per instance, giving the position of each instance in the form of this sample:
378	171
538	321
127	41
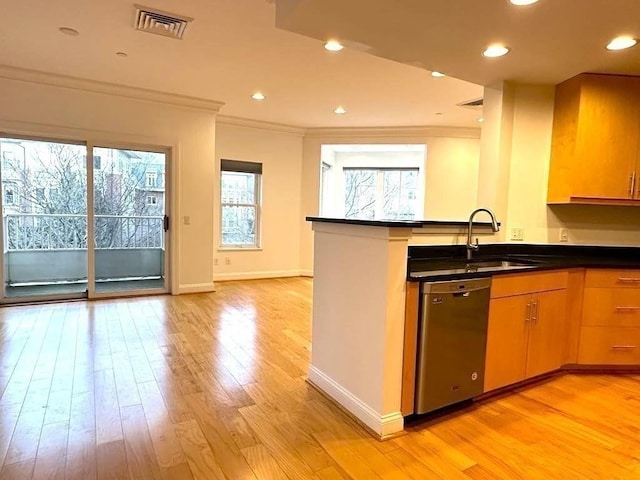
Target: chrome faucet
471	247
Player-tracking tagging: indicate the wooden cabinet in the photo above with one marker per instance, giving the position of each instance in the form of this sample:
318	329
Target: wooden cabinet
610	332
595	155
409	355
525	337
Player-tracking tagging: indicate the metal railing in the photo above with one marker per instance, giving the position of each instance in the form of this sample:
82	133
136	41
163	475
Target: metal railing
30	231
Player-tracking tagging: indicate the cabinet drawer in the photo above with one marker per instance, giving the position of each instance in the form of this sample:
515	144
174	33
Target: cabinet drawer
611	307
524	283
609	346
608	278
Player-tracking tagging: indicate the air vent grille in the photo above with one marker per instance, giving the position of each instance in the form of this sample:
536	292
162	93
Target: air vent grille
473	104
161	23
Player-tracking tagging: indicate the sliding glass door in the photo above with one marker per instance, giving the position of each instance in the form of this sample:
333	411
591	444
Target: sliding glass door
129	220
81	220
44	218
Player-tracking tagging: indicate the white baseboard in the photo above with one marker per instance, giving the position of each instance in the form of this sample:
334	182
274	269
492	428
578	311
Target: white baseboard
383	425
306	273
196	288
256	275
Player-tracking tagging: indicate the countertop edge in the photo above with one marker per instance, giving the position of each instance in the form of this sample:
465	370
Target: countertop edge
398	223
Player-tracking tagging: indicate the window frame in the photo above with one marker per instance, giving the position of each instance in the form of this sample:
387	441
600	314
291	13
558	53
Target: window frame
255	169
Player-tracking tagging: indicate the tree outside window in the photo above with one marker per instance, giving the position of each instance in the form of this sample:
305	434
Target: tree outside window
372	181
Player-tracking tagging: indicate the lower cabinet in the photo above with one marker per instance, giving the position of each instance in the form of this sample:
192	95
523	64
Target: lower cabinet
525	337
610	332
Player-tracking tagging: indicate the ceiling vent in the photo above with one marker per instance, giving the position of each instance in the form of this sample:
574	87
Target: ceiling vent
473	104
162	23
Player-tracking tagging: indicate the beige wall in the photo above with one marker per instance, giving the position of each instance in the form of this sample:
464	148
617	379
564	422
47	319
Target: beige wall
451	177
281	156
526	134
36	109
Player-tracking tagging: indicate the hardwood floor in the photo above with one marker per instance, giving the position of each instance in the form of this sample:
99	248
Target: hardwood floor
212	386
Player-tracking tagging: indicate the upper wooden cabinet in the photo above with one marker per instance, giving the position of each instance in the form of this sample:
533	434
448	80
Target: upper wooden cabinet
595	150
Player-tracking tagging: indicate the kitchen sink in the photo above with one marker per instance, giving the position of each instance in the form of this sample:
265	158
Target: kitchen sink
456	266
499	263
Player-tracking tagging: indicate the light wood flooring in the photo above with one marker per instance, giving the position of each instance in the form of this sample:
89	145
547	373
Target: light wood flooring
212	386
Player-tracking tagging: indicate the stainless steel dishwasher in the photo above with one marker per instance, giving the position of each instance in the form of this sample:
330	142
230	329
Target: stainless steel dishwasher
452	340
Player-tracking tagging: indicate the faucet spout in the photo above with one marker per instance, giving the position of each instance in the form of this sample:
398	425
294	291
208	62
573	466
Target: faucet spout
471	246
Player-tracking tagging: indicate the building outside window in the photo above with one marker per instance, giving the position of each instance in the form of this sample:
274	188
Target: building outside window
240	183
151	200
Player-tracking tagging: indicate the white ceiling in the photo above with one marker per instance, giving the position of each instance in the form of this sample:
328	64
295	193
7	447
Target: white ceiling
551	40
231	49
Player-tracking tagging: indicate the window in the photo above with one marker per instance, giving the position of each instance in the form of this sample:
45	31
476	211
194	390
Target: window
372	181
40	200
151	200
380	193
10	195
240	200
152	178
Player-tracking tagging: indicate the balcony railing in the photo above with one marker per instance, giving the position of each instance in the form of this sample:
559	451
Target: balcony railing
52	248
27	231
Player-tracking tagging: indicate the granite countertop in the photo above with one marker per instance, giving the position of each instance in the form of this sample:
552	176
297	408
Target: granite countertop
398	223
431	263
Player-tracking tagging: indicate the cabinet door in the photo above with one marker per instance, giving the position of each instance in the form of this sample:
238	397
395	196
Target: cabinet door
506	341
606	146
546	333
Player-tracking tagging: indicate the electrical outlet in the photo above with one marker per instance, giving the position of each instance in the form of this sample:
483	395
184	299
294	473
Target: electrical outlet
564	235
186	220
227	261
517	234
215	261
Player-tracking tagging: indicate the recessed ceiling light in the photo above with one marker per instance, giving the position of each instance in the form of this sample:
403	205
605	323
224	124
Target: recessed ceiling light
437	74
333	46
340	110
493	51
69	31
522	2
122	54
480	120
620	43
258	96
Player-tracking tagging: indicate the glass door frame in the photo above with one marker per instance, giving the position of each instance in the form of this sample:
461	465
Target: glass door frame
91	245
17	300
90	292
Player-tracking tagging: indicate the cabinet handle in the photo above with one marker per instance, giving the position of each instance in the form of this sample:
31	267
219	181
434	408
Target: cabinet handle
628	279
528	316
632	187
627	309
534	316
623	347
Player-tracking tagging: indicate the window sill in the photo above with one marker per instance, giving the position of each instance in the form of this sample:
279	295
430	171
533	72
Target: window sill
233	248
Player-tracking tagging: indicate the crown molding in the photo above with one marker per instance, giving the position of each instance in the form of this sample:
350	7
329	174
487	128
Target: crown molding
397	132
259	124
94	86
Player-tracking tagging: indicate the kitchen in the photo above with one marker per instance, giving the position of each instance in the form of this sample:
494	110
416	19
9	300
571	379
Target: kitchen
510	177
